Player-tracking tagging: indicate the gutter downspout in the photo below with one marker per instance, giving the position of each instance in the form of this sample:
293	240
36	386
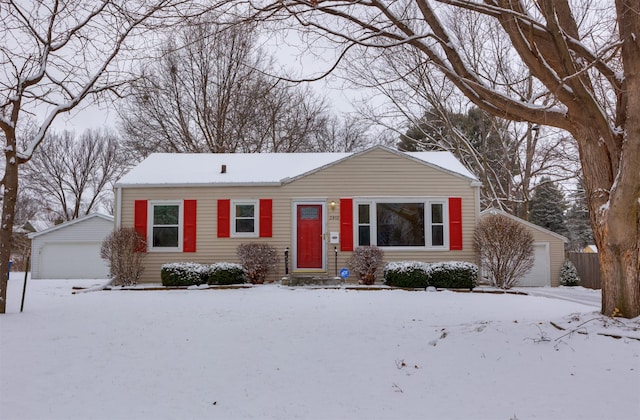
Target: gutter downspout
118	209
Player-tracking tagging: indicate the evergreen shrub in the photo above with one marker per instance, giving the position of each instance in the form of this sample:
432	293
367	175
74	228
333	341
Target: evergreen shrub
453	275
409	274
184	274
569	274
443	275
226	273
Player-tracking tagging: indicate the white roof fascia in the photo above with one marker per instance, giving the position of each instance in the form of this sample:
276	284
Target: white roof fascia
204	184
493	210
70	223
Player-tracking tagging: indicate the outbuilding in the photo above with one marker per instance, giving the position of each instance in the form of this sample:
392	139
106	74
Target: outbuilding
71	250
548	249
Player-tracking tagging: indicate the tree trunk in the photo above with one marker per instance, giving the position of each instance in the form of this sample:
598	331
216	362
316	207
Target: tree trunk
6	227
613	195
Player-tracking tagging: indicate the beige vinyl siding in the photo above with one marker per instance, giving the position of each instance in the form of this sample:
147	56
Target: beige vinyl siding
377	173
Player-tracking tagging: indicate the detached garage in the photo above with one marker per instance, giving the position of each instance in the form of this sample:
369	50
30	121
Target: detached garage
71	250
548	250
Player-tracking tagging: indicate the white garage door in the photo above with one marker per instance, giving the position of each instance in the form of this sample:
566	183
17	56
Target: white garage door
540	272
72	261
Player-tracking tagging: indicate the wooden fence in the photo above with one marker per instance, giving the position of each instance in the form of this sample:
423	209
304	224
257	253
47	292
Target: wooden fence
588	266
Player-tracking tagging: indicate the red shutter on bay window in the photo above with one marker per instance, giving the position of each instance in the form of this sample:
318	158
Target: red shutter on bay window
266	217
346	224
140	220
189	230
455	223
224	218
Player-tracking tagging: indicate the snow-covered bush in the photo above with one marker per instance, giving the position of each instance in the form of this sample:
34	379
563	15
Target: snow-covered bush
124	251
569	275
258	260
505	248
407	274
184	274
453	275
226	273
365	261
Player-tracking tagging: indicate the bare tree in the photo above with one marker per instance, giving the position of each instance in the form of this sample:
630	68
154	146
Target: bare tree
209	91
505	155
53	57
505	248
74	175
584	62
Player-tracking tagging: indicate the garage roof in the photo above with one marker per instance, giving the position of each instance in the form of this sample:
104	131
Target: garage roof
70	223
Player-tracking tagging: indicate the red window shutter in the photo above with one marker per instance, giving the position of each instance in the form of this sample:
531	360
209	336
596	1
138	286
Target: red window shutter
189	229
346	224
266	218
140	220
455	223
224	218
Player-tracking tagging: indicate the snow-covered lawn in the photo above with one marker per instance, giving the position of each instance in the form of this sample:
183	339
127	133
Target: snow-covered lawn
280	353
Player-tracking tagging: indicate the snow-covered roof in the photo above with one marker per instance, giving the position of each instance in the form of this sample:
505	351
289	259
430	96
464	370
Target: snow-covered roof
70	223
185	169
37	225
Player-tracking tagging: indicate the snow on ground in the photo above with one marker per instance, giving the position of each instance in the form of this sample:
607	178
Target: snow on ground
278	353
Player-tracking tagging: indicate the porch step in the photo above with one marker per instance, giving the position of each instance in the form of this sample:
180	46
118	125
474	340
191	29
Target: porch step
311	280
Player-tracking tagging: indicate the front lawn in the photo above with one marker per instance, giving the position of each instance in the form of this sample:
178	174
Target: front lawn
279	353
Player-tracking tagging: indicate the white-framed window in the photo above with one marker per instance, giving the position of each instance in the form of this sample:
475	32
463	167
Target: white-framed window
245	218
402	223
165	227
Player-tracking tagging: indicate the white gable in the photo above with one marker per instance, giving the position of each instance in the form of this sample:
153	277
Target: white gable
252	168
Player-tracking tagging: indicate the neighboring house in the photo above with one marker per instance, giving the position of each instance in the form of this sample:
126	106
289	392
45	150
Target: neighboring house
200	207
548	249
71	250
590	249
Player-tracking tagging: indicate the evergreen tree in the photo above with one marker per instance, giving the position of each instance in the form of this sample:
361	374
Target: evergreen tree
547	207
578	226
423	136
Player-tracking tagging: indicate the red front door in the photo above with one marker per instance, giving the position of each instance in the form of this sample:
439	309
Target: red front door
309	236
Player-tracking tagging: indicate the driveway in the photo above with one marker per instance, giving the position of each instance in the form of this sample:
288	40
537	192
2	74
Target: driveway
581	295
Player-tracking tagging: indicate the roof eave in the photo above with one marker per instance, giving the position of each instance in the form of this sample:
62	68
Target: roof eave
200	184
